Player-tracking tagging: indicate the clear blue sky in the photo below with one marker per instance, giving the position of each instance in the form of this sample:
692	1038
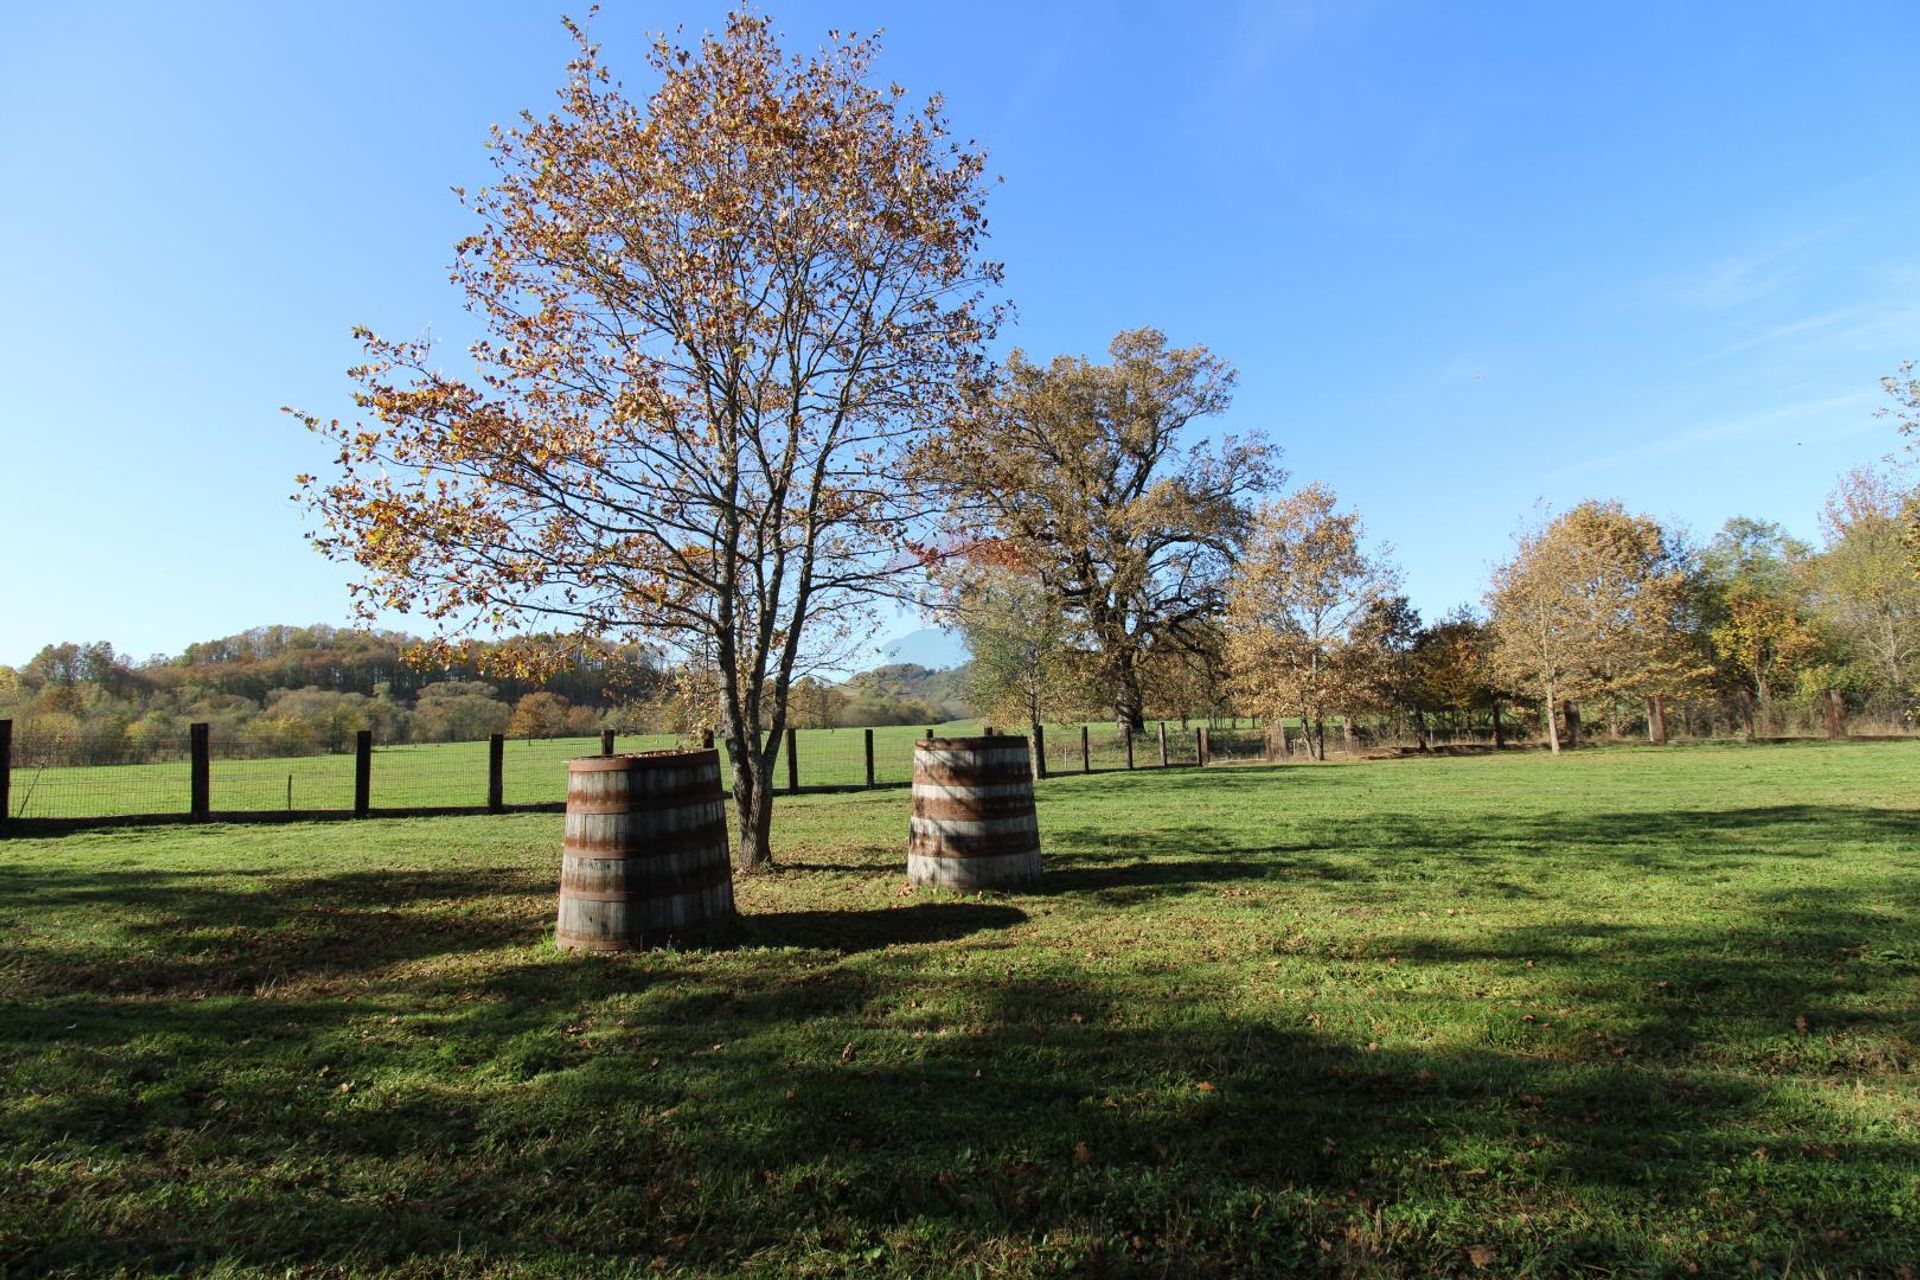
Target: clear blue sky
1467	257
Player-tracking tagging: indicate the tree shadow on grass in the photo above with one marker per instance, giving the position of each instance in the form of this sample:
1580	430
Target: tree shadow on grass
189	932
1187	858
853	931
896	1088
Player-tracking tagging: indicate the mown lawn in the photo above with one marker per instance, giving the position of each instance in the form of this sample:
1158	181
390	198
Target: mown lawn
1627	1013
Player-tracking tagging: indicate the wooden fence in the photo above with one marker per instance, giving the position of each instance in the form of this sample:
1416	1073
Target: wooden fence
168	794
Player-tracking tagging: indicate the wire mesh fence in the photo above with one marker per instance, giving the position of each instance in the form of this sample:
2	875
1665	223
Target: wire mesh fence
105	771
251	781
1096	748
221	774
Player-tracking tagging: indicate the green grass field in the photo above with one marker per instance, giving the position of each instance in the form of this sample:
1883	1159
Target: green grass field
1629	1012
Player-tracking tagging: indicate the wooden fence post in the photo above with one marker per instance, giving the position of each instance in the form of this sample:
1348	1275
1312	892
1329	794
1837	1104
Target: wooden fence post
1201	753
199	772
362	772
929	735
706	739
606	742
793	760
496	771
1165	760
1039	751
1086	755
869	758
6	769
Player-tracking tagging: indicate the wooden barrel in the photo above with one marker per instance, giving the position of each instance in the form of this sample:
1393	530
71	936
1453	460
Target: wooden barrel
645	862
973	824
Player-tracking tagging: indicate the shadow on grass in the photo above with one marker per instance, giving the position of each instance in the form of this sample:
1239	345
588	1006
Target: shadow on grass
827	1107
850	932
894	1085
188	932
1130	865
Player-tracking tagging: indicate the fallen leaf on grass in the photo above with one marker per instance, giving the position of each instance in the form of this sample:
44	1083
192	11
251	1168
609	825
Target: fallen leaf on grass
1481	1255
1205	1087
846	1054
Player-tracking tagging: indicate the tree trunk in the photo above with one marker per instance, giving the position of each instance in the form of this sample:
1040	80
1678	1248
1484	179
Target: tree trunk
1553	727
1320	737
1346	734
1657	720
1746	713
1836	710
1499	735
1571	714
1420	736
1129	704
752	806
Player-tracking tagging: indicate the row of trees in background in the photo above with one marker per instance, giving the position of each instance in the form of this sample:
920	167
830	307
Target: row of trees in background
1116	571
1598	609
280	690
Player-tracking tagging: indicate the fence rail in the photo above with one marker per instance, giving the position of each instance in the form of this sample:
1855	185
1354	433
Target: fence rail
206	780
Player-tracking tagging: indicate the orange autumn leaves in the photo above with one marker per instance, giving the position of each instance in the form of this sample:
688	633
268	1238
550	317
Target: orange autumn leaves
715	321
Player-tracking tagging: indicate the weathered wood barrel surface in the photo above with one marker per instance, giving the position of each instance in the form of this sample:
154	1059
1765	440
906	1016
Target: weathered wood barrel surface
973	824
645	862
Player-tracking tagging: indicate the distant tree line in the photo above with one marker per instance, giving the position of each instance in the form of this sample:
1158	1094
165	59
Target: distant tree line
1117	569
282	690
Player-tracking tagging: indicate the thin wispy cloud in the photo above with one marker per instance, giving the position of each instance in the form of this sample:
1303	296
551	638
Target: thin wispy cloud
1732	280
1827	417
1782	332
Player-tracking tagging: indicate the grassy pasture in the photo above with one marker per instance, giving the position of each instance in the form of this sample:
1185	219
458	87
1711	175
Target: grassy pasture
1626	1013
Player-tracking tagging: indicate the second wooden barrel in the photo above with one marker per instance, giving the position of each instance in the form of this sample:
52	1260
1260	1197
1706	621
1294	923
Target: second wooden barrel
973	824
645	862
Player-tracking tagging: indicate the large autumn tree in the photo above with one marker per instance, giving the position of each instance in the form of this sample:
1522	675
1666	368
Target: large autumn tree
1298	640
1084	472
1592	604
1863	583
715	321
1758	612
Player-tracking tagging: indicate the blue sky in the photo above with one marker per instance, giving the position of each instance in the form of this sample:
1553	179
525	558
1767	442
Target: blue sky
1467	257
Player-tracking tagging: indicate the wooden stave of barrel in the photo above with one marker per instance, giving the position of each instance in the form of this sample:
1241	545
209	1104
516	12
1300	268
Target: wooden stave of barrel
973	823
645	861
